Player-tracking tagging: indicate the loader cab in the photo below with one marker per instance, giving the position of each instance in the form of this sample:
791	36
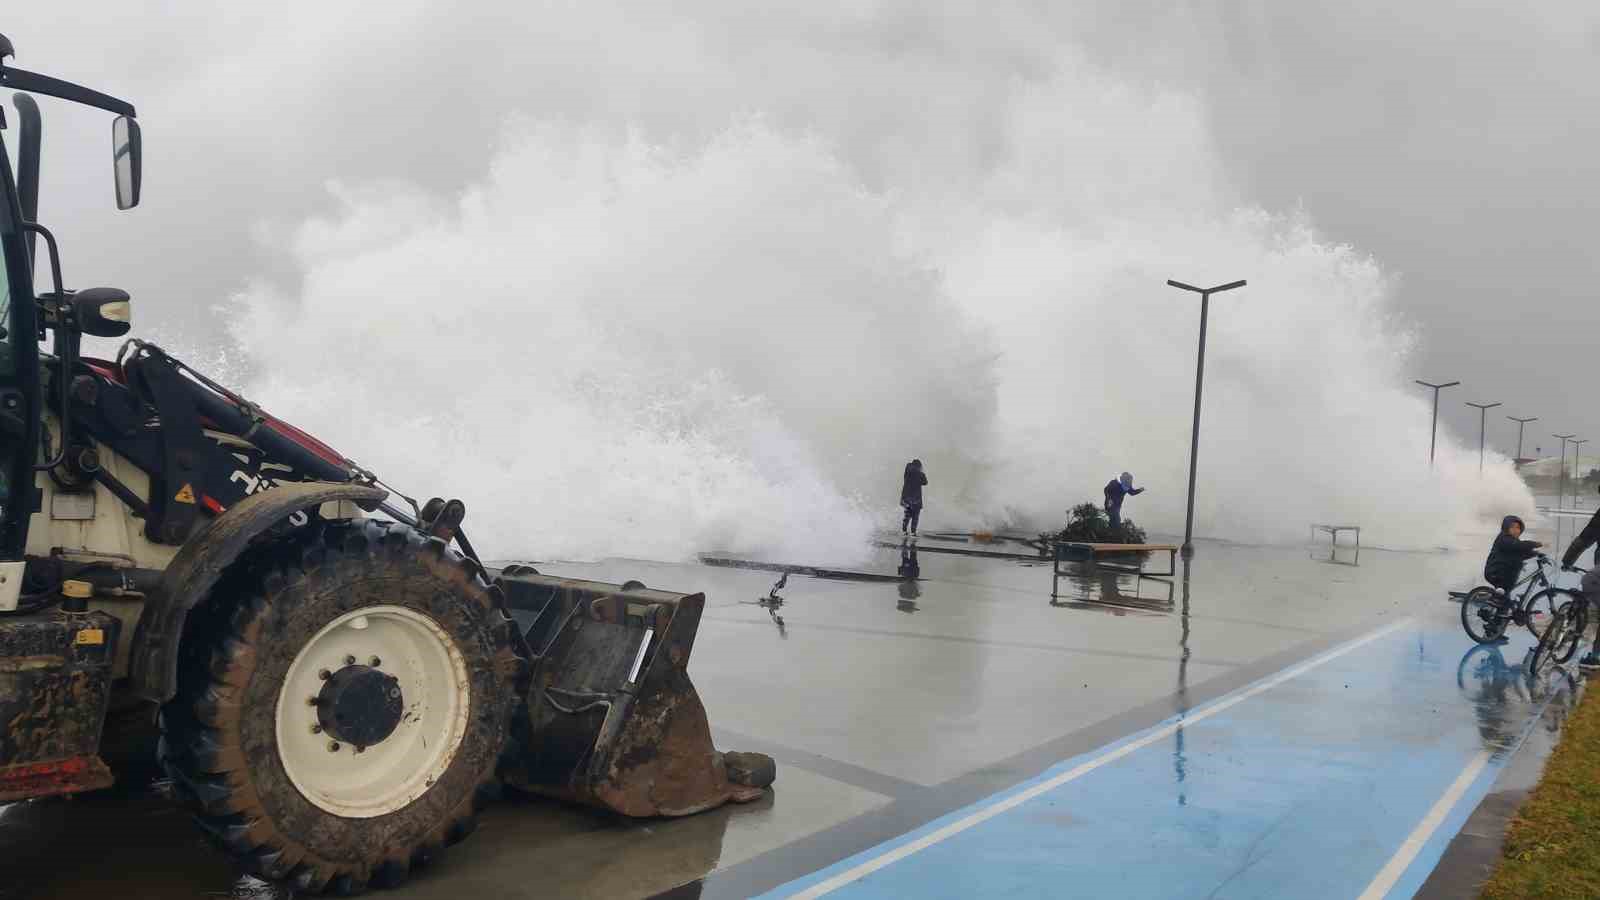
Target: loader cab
26	248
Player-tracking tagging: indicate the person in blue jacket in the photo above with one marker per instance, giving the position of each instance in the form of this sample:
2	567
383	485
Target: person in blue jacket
1117	489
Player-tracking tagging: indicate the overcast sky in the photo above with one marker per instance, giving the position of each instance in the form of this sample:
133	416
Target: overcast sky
1455	143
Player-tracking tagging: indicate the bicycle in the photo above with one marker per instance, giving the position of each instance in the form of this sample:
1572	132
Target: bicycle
1561	639
1487	611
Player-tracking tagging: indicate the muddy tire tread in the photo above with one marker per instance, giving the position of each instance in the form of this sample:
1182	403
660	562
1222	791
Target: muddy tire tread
200	748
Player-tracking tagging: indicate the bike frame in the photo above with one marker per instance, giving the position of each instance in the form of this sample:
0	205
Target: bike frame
1537	578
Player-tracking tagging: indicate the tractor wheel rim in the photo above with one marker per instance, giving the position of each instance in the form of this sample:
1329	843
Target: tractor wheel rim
427	669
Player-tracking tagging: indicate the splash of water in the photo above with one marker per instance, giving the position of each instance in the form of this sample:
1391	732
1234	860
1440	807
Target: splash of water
609	345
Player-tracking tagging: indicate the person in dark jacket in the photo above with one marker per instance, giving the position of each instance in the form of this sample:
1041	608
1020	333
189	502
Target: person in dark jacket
1506	556
911	496
1116	489
1588	537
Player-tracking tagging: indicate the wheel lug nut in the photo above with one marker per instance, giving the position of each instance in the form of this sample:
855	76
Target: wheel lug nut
375	662
349	660
324	674
313	701
333	746
316	729
360	749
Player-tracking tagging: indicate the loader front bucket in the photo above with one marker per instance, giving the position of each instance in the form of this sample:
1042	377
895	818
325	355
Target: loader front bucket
611	717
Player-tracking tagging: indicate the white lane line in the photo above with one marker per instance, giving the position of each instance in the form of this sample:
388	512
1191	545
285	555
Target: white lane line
1402	859
980	816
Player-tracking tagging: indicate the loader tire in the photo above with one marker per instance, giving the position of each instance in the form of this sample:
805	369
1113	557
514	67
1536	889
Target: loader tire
264	749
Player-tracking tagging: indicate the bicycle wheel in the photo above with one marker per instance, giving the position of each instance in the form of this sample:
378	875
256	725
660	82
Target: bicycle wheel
1576	621
1483	615
1564	633
1541	609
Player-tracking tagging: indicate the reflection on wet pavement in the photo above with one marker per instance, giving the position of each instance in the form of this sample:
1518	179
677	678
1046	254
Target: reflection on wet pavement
1337	554
772	602
1503	696
890	703
910	571
1116	592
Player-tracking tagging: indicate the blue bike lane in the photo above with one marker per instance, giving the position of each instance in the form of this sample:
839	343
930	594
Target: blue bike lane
1343	776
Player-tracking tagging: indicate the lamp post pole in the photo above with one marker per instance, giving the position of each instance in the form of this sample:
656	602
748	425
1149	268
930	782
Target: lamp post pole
1483	419
1521	423
1561	480
1433	441
1199	380
1577	470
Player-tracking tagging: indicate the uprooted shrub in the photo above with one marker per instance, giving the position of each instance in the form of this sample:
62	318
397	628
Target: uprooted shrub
1087	524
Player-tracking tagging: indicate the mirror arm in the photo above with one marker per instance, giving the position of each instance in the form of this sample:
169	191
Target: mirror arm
23	80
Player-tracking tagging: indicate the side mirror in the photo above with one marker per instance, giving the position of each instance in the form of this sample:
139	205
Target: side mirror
125	160
102	312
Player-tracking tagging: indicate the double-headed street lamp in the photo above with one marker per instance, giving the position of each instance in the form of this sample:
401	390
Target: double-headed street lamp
1521	423
1199	379
1483	413
1434	440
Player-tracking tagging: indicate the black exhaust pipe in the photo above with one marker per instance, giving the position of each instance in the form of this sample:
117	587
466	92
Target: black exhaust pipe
28	163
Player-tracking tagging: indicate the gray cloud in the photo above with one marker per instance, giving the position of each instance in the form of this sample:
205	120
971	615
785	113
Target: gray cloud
1455	145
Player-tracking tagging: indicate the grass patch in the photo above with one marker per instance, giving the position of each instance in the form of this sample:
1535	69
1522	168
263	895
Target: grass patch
1553	844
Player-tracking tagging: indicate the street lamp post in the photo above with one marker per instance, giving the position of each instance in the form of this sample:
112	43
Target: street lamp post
1433	441
1521	423
1561	480
1577	470
1483	417
1199	379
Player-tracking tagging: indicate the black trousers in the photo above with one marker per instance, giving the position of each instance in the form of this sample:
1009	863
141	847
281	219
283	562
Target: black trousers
913	513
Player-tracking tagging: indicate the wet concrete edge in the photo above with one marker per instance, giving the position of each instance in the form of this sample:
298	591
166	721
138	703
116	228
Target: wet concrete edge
1471	856
915	806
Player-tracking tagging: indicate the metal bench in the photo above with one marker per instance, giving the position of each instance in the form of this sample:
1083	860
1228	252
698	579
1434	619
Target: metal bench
1067	551
1333	532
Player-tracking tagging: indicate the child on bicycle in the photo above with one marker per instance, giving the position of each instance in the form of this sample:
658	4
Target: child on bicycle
1506	557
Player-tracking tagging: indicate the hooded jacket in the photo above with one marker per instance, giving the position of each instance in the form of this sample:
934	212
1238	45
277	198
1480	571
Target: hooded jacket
911	491
1507	556
1118	488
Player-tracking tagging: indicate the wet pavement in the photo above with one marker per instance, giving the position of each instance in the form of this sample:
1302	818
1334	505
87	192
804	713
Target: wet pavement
896	707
